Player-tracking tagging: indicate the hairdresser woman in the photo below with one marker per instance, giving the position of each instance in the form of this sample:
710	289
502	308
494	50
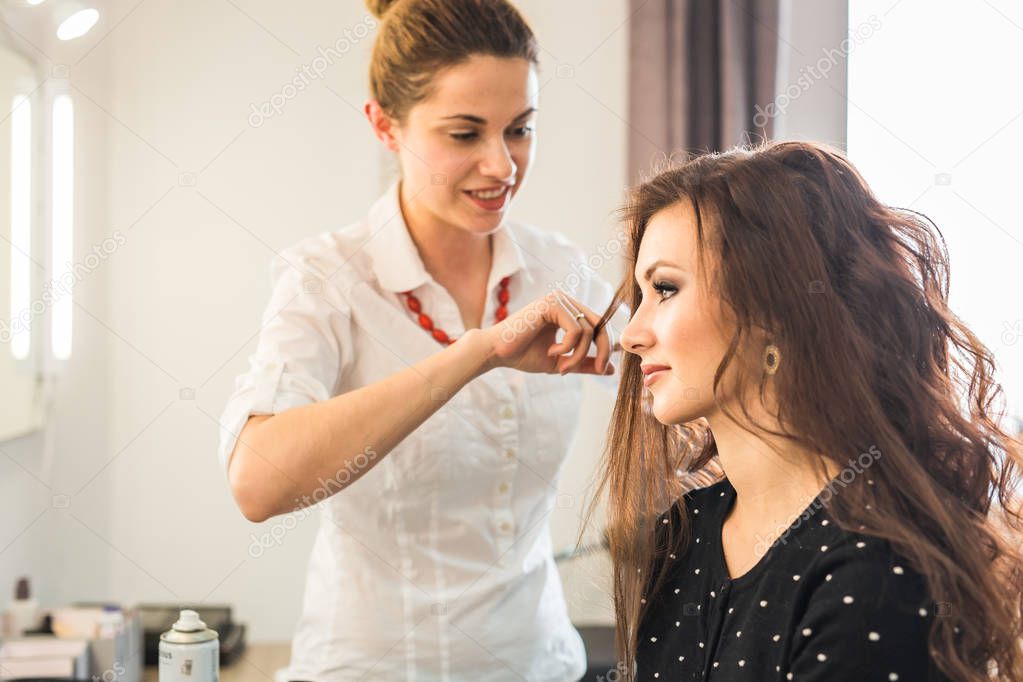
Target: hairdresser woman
381	384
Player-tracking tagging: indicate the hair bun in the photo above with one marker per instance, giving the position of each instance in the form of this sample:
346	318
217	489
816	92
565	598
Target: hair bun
379	7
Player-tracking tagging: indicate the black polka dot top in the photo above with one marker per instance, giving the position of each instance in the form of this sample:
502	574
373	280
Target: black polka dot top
822	605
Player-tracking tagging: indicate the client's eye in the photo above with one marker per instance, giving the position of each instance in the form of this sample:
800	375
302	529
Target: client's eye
665	289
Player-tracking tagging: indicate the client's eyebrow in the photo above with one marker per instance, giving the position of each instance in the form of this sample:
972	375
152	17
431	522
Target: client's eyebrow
482	121
656	264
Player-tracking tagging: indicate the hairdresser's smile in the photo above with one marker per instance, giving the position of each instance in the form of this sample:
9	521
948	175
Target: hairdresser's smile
493	199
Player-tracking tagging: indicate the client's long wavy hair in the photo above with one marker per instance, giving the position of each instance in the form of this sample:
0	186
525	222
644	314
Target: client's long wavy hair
855	295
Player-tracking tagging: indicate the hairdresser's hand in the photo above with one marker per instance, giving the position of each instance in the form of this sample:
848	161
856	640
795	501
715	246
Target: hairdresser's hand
525	340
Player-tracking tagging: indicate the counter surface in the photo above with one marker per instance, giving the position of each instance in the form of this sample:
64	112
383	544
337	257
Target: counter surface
258	663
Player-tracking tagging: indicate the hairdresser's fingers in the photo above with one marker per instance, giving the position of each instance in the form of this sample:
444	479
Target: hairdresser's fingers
601	339
612	336
589	366
582	347
567	321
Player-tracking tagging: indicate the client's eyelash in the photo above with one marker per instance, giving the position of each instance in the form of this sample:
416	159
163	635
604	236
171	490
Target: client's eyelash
663	288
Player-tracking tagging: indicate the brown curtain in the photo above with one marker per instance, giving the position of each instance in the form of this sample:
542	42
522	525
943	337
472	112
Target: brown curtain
698	69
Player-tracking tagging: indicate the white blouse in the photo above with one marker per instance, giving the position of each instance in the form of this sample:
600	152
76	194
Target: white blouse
437	564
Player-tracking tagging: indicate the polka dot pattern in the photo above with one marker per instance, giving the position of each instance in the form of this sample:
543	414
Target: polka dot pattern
832	576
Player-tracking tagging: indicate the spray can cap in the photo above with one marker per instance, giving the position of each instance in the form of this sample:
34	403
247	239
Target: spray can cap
188	621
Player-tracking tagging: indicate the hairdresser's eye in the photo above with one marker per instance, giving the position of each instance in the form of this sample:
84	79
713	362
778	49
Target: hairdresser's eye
664	289
465	137
522	131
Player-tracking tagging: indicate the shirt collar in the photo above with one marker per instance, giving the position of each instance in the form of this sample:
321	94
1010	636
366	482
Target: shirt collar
396	261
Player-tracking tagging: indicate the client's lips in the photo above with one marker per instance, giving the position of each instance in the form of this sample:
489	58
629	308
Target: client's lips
652	373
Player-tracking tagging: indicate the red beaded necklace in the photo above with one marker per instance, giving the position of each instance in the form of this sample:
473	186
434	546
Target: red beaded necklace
426	323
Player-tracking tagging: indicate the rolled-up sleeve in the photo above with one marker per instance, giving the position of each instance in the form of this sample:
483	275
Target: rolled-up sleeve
303	348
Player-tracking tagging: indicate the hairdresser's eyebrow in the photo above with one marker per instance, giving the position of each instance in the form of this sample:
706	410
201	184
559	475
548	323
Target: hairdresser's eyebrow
656	264
482	121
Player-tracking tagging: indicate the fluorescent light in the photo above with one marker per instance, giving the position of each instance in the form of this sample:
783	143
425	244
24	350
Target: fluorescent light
35	2
78	24
63	220
21	225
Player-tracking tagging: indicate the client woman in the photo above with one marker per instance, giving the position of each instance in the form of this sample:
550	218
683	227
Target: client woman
788	323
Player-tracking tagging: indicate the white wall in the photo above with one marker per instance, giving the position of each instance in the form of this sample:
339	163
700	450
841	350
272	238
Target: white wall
812	77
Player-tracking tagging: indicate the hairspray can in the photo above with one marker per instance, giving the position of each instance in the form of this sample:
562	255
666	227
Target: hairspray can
189	651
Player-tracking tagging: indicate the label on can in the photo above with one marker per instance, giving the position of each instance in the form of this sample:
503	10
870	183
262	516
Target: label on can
195	662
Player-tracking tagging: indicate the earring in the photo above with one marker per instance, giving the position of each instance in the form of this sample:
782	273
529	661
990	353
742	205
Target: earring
772	358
